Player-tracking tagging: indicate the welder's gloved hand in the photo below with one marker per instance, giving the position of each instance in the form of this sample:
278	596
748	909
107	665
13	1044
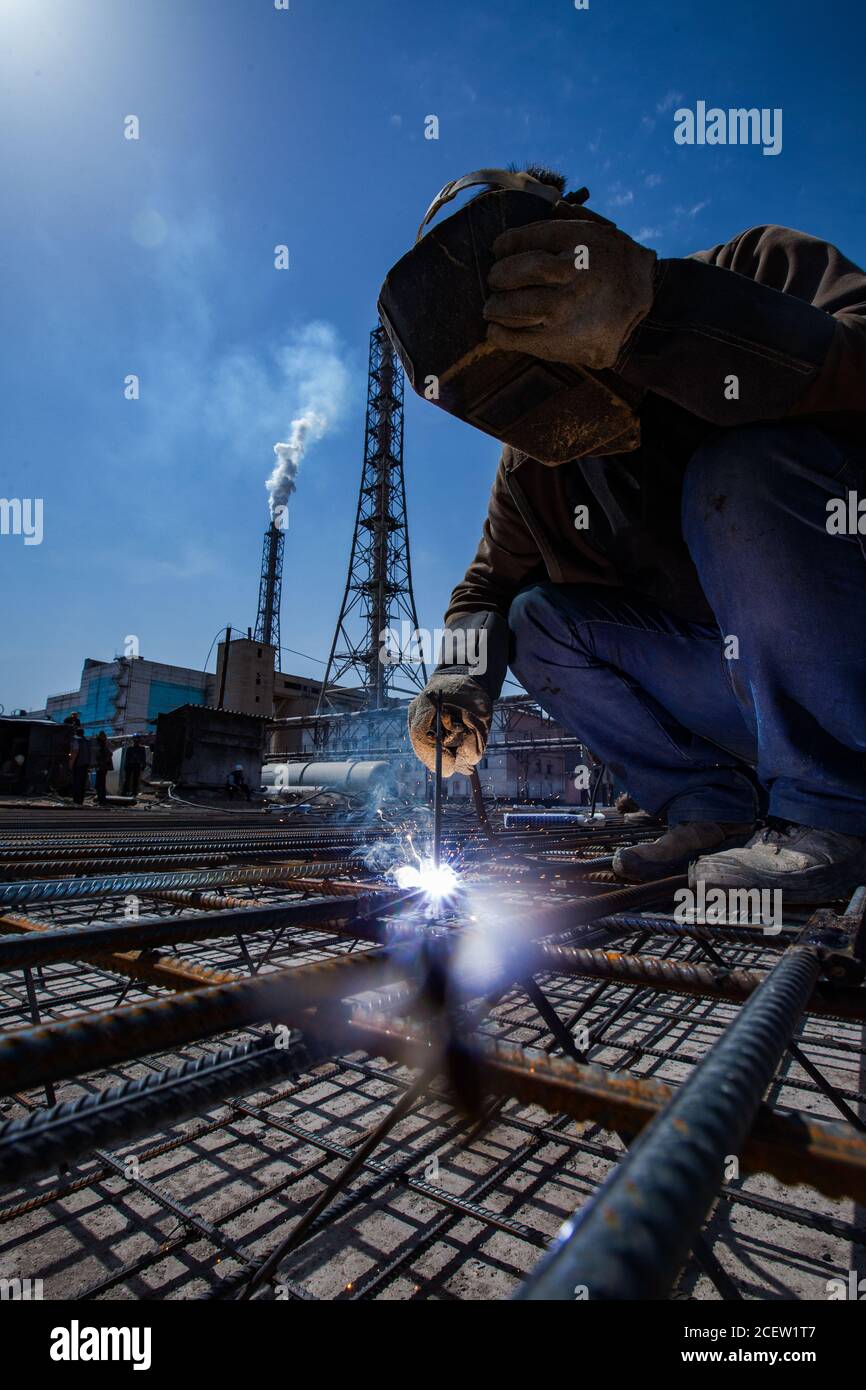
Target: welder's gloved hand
466	714
568	291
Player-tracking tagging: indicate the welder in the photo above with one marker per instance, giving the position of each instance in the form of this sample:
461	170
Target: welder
656	565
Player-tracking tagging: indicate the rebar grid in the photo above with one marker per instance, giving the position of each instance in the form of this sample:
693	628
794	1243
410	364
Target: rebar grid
449	1204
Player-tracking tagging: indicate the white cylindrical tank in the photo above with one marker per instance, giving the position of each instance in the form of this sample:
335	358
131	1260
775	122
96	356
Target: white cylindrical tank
351	778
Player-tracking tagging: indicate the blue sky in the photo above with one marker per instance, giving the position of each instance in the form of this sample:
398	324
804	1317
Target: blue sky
306	127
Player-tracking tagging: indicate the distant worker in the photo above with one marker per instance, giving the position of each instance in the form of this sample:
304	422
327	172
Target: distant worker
12	769
80	756
237	784
104	763
672	562
133	764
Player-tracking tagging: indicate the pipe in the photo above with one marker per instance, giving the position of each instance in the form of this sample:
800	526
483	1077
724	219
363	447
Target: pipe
354	778
226	645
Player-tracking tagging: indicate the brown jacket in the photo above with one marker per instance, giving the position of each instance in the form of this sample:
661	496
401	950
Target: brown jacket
783	312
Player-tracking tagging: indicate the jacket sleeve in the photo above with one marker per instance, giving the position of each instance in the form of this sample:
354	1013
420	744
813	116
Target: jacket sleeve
477	615
769	325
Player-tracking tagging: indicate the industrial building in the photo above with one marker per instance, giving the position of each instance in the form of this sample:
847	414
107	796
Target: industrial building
125	696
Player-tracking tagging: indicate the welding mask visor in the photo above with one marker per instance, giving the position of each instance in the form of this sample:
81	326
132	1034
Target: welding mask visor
431	305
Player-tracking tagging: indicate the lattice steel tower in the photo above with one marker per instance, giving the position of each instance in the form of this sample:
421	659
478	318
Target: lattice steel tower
270	590
378	593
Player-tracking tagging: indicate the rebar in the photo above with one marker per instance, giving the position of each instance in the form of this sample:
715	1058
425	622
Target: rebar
632	1238
341	974
145	1104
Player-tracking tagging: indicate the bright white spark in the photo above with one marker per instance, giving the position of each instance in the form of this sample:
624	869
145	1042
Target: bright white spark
437	883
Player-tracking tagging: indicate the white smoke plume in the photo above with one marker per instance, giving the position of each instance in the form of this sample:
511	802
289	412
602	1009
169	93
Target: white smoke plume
319	378
281	483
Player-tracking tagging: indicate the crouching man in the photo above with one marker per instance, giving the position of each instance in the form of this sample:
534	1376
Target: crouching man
690	600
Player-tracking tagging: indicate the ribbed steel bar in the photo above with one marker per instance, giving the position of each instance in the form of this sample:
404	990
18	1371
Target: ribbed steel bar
58	890
206	902
51	850
102	865
93	1040
214	901
827	1155
660	925
29	1057
779	1144
143	1105
682	977
58	846
71	943
632	1238
175	974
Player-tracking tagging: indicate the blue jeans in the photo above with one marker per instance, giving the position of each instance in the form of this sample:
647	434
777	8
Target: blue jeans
763	712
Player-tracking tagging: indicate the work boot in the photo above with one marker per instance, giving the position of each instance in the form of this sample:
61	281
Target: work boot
808	865
672	852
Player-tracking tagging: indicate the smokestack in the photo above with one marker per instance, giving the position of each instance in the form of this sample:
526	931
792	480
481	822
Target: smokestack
270	589
313	365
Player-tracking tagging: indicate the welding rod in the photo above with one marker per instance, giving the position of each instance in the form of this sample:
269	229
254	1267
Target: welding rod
437	785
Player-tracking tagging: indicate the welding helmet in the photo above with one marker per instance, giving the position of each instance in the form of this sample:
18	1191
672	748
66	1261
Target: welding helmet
431	305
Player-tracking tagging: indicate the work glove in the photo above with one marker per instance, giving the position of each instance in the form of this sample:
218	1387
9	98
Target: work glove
552	299
466	714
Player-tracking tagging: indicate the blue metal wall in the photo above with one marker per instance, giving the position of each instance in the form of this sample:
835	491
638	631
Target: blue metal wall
165	696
